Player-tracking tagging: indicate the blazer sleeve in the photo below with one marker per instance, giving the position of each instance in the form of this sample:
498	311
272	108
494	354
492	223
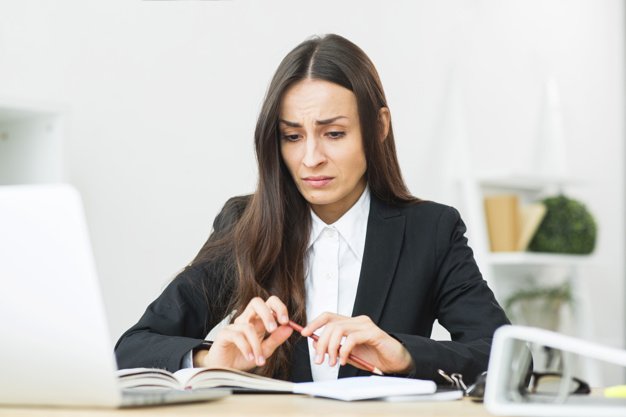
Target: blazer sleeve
179	319
171	326
464	305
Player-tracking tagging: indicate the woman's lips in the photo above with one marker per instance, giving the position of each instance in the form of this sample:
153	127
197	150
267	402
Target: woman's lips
317	182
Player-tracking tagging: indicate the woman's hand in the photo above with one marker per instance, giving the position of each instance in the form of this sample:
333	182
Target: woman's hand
251	338
362	338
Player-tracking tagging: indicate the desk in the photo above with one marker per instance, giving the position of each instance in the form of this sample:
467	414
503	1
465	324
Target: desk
271	406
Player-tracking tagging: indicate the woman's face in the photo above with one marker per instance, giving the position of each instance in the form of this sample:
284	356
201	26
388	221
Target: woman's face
322	146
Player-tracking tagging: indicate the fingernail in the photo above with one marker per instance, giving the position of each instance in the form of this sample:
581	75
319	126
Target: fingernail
260	360
284	319
250	357
272	327
318	359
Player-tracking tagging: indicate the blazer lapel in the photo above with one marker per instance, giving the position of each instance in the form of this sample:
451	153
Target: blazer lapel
300	363
383	243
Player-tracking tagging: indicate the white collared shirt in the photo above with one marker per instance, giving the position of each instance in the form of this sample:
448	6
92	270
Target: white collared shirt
334	258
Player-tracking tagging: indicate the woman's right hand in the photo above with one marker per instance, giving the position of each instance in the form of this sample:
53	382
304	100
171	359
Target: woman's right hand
251	338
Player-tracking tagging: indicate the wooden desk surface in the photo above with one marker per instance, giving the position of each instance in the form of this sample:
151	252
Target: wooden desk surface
271	405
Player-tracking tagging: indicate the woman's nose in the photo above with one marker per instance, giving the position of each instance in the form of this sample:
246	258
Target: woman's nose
313	153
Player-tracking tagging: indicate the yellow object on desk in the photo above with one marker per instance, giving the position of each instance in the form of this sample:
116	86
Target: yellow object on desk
617	391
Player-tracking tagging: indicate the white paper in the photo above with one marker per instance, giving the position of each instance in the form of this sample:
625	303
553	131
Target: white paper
365	387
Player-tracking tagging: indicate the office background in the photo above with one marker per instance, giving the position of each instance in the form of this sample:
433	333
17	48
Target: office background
161	98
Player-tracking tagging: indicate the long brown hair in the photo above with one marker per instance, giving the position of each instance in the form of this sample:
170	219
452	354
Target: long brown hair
266	247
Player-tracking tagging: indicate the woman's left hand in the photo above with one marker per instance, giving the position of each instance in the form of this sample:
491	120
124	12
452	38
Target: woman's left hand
362	338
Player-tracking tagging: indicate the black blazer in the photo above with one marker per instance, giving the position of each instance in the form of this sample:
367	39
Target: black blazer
417	267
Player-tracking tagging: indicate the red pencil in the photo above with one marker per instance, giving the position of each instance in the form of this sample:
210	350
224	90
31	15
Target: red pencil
371	368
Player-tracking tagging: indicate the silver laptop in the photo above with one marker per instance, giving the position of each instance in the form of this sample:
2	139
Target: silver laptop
55	347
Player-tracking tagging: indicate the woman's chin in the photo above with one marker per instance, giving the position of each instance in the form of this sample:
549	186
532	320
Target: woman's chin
319	198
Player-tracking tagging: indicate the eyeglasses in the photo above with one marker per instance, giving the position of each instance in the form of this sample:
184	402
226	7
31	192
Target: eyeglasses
553	383
548	384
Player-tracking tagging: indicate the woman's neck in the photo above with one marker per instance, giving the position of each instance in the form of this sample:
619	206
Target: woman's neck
330	213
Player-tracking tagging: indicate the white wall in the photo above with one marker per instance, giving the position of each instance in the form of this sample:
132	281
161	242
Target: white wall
163	97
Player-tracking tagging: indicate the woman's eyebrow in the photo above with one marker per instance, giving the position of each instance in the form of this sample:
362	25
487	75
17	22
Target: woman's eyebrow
317	122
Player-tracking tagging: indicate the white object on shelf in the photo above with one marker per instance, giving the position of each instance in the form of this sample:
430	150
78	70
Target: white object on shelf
550	156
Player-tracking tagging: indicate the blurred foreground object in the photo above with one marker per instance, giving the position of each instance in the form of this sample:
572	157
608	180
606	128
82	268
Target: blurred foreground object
519	382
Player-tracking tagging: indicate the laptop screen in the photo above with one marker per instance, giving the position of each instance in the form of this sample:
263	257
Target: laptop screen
55	341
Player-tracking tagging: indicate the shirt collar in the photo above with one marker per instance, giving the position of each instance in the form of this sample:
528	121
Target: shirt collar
352	226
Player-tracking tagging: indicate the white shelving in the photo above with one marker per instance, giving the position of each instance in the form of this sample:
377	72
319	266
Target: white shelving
521	259
31	143
528	188
510	271
524	183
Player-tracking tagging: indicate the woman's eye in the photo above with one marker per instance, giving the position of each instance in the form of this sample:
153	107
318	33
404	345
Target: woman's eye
336	135
291	138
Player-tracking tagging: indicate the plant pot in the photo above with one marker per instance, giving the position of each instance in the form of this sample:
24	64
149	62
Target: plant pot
541	312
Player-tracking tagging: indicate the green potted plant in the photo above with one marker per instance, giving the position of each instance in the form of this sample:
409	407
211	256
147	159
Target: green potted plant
567	227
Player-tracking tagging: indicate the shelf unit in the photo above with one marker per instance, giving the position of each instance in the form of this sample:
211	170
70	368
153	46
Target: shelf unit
31	143
509	271
529	189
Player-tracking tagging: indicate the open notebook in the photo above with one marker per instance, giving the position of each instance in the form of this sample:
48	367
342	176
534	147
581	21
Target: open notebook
346	389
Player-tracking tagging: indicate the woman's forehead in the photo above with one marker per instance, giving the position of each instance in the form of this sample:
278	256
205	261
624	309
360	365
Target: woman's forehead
318	99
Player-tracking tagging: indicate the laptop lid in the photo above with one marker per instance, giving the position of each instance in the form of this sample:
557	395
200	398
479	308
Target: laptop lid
55	346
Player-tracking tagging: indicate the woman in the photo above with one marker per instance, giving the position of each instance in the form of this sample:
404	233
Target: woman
331	238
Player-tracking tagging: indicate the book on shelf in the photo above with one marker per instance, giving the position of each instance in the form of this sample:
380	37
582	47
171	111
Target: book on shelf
510	225
531	216
503	222
346	389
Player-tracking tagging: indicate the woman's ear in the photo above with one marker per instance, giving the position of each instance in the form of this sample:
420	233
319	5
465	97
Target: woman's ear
384	120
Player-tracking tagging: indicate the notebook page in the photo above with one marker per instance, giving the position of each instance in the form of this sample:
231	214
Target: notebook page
365	387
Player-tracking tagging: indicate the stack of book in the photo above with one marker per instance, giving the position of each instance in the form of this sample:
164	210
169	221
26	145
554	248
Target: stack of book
511	226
